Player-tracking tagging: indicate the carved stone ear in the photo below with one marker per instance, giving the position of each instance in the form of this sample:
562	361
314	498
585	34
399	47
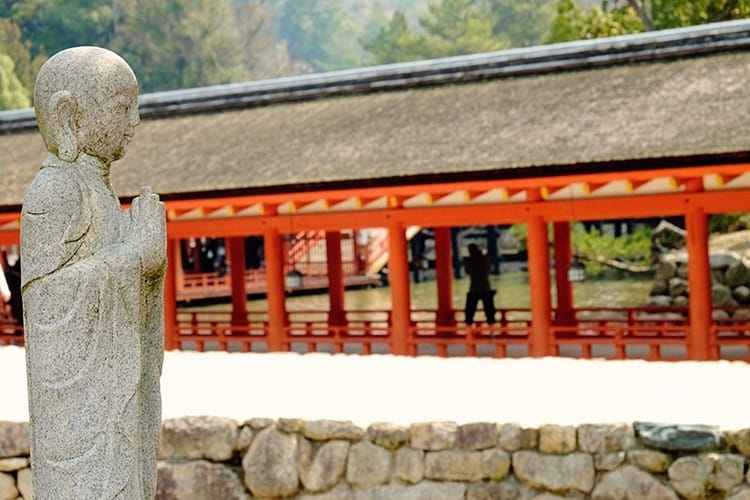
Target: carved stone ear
63	106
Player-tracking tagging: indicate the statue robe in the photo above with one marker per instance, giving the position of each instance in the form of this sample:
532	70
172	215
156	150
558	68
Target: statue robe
94	340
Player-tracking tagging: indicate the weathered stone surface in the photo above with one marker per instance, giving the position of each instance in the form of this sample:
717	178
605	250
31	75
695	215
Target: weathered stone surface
8	490
23	483
198	479
728	472
665	270
721	295
271	464
426	490
14	439
649	460
742	295
743	494
409	465
492	491
212	438
737	274
631	483
320	470
388	435
512	437
477	436
495	464
677	437
323	430
659	300
557	438
598	438
677	286
368	464
433	435
290	425
259	423
609	461
559	473
453	465
244	439
740	440
341	491
689	475
13	464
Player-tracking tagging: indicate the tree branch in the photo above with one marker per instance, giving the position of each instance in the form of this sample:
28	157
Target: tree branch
648	23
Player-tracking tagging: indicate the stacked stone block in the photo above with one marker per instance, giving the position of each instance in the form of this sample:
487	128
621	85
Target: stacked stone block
212	457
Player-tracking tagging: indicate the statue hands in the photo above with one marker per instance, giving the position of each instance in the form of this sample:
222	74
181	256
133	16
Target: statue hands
147	230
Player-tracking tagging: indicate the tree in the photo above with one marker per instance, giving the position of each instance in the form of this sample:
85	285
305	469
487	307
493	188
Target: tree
662	14
573	23
523	23
18	50
12	94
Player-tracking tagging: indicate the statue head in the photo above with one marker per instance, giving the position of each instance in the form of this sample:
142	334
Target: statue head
86	101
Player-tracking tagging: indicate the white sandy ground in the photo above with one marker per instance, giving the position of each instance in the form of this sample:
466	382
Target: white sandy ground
368	389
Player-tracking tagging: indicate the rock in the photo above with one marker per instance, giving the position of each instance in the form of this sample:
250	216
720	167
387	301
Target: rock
743	494
677	437
23	483
258	423
322	470
433	435
388	435
737	274
609	460
741	314
720	315
323	430
689	475
597	438
14	439
368	465
665	270
8	490
681	301
198	479
740	440
426	490
341	491
453	465
477	436
290	425
677	286
659	300
742	295
650	460
558	473
495	464
558	439
187	438
13	464
492	491
728	472
659	287
721	295
723	260
631	483
244	439
271	464
409	465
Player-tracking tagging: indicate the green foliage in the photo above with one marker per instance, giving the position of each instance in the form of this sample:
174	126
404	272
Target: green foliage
523	23
573	23
727	223
593	247
12	94
18	50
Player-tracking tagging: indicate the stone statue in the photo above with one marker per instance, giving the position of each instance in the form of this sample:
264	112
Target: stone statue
92	279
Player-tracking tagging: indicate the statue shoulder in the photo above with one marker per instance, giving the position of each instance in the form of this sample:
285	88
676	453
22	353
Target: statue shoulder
52	188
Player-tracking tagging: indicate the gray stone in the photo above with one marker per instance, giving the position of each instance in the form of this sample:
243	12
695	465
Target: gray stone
186	438
609	460
665	270
198	479
659	300
492	491
738	439
728	472
721	295
13	464
341	491
737	274
676	437
557	473
368	464
650	460
677	286
271	464
477	436
659	288
259	423
323	430
23	483
689	475
320	470
598	438
244	439
743	494
8	490
388	435
681	301
290	425
92	279
631	483
453	465
426	490
14	439
433	435
495	464
742	295
409	465
512	437
557	438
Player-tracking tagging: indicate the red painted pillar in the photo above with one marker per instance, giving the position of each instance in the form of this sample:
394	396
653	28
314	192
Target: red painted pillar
699	284
236	254
337	313
398	277
563	255
444	276
539	284
275	289
174	262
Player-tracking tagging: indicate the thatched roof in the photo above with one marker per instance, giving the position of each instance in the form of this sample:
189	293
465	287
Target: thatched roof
621	115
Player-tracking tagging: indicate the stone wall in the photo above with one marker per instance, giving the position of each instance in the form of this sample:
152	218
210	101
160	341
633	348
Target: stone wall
220	458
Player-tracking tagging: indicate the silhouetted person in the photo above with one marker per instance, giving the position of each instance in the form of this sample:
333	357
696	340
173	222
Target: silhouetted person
477	266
